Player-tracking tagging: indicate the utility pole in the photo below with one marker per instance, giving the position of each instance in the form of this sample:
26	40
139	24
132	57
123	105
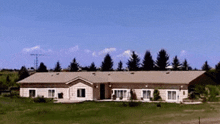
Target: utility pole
36	60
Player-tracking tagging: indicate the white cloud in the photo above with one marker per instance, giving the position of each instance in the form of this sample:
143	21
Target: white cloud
87	51
31	49
126	53
74	49
94	54
107	50
183	53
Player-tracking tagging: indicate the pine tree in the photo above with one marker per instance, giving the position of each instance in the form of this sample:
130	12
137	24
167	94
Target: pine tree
23	73
185	65
217	69
74	66
107	63
206	66
176	63
148	62
57	67
162	60
120	66
134	62
42	68
92	67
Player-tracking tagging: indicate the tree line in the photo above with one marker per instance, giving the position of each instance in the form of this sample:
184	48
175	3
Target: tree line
133	64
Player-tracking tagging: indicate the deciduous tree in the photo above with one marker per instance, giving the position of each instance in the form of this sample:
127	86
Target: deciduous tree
42	68
23	73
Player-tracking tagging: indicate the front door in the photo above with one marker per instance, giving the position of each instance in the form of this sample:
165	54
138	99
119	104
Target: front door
102	91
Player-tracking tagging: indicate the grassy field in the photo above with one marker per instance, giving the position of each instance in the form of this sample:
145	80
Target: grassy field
23	110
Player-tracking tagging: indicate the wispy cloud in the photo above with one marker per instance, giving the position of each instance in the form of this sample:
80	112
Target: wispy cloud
126	53
74	49
31	49
94	54
107	50
87	51
183	53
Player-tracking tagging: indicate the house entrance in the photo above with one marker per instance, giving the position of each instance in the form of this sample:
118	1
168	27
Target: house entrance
102	91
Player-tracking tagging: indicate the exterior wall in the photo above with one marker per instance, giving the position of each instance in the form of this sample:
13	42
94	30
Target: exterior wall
24	92
88	92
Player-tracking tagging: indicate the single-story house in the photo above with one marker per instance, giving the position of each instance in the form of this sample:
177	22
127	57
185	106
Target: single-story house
172	85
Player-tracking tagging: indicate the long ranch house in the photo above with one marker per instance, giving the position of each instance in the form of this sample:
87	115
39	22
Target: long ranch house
172	85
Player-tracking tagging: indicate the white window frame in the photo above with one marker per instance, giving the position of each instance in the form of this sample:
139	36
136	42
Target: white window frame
172	100
55	95
151	93
32	89
125	96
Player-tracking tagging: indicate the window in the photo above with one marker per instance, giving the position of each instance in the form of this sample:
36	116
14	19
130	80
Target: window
171	95
51	93
183	92
81	92
146	94
120	93
31	93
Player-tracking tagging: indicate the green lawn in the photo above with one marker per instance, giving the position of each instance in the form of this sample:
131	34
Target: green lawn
23	110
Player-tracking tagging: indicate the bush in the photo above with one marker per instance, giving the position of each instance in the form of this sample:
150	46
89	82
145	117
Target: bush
156	95
42	99
133	95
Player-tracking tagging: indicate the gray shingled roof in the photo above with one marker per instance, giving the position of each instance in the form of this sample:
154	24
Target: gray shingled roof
173	77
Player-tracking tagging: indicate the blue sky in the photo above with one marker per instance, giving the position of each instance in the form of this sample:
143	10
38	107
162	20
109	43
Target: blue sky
87	30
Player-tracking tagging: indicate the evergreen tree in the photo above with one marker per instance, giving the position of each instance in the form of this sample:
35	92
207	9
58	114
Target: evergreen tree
176	63
162	60
92	67
185	65
23	73
42	68
120	66
217	69
206	66
148	62
134	62
107	63
74	66
57	67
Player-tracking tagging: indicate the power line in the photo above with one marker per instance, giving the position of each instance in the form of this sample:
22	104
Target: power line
36	60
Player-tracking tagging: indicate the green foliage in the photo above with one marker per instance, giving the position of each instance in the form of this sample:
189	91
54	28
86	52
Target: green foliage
176	63
120	66
57	67
185	65
8	79
23	73
207	93
133	95
92	67
74	66
148	62
134	62
156	95
206	66
162	60
42	100
107	63
42	68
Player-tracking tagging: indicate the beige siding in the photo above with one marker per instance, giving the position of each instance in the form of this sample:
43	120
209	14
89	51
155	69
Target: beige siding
24	92
88	90
182	96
